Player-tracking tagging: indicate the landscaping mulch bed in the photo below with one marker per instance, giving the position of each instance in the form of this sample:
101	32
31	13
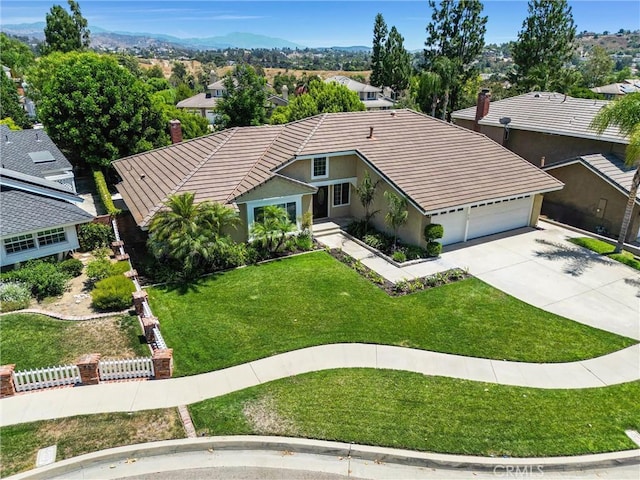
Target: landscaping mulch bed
402	287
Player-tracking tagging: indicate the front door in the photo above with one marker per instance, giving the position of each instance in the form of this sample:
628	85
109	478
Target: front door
321	203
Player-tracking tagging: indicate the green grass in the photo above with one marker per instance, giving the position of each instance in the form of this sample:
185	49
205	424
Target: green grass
35	341
84	434
413	411
607	249
258	311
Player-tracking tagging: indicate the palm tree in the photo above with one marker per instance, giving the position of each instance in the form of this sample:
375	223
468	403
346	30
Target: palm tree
624	114
271	231
397	214
366	193
190	233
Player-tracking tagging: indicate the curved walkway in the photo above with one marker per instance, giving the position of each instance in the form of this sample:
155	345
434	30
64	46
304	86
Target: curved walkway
614	368
60	316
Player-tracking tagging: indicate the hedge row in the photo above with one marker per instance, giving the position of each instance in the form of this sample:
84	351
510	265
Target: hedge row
103	191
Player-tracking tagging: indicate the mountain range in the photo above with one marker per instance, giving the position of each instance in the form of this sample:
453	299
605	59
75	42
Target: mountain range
102	38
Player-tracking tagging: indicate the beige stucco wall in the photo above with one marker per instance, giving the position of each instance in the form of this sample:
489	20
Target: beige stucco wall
343	166
535	209
273	188
577	203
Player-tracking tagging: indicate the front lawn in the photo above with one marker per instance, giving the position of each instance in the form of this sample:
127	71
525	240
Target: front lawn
36	341
312	299
84	434
607	249
412	411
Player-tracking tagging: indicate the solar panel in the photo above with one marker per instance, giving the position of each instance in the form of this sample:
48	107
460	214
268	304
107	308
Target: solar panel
42	156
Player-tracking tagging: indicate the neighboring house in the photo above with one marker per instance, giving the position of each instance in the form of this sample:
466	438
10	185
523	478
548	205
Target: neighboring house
39	217
448	174
372	97
595	194
615	90
203	104
551	131
38	203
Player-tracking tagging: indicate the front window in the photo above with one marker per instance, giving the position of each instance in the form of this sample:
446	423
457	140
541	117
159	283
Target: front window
341	194
289	207
320	168
19	243
371	95
49	237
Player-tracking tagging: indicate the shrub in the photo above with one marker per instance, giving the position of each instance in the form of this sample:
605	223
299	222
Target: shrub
399	256
99	269
413	252
304	242
374	241
43	278
434	249
256	254
14	296
112	293
72	267
433	232
103	191
94	235
358	228
230	255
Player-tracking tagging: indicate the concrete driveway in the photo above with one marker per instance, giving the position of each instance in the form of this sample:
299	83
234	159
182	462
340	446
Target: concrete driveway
540	267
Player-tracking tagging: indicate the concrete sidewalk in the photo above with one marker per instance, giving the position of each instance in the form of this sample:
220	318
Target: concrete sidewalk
611	369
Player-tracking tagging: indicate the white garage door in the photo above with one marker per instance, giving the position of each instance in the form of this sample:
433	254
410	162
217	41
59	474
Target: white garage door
454	224
499	217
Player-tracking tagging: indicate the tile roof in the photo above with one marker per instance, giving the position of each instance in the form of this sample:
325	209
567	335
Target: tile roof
622	88
15	146
30	211
607	166
547	113
436	164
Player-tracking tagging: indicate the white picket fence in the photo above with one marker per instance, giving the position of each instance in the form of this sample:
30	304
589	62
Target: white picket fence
27	380
126	368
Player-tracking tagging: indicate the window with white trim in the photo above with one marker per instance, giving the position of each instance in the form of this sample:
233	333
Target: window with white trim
319	167
289	207
19	243
341	194
49	237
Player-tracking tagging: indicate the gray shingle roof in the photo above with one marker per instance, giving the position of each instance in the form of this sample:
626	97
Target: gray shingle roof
547	113
352	84
607	166
436	164
15	146
198	101
26	181
30	211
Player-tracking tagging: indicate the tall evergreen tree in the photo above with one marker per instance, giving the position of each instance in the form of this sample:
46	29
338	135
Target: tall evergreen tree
244	100
66	32
545	42
397	63
378	50
456	31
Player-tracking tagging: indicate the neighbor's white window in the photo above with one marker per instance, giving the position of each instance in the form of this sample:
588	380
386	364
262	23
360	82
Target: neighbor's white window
341	194
19	243
319	167
49	237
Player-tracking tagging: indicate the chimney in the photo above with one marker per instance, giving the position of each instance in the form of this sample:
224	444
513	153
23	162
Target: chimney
285	92
175	130
482	107
542	161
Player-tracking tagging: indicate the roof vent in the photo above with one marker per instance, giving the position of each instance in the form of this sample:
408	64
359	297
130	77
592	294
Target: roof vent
42	156
370	132
505	120
536	95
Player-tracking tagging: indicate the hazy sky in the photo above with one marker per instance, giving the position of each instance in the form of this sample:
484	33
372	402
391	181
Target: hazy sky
311	23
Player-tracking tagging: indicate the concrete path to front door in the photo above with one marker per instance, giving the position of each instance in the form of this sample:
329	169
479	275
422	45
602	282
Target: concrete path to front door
538	266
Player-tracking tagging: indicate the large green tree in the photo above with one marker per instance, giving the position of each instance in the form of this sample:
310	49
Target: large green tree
323	97
15	55
378	51
456	32
397	63
598	69
244	100
190	235
10	106
544	43
64	31
97	111
624	113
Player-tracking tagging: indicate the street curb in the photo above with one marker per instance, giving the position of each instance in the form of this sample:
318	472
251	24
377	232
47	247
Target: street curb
328	448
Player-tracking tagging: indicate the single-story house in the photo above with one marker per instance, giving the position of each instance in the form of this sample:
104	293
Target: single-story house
38	203
542	127
619	89
374	98
595	194
449	175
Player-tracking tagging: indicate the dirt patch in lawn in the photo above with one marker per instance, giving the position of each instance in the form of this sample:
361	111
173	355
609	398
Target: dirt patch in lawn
263	416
